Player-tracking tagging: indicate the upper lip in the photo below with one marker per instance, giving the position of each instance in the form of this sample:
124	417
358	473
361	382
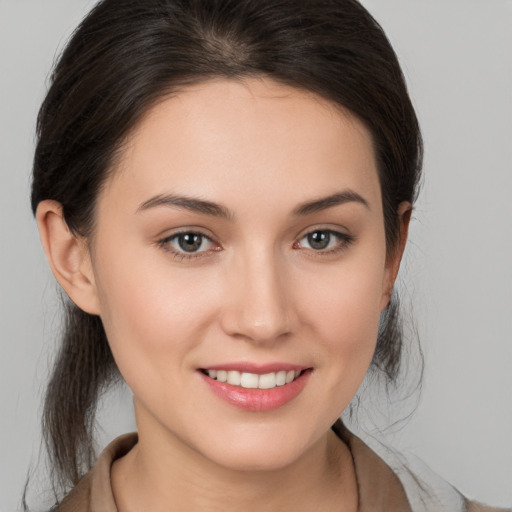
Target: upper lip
258	369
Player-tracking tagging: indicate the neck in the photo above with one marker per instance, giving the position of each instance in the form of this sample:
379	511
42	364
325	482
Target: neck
162	474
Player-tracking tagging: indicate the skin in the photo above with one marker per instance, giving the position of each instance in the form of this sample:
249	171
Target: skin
256	291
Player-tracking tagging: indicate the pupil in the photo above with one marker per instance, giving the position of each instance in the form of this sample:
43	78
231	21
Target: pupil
319	239
190	242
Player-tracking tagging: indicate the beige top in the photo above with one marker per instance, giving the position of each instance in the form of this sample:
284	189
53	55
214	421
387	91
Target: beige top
380	490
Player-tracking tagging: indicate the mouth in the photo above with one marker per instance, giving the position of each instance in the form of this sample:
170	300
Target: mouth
249	380
256	392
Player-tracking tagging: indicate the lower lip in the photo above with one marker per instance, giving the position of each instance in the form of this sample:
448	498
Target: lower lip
257	400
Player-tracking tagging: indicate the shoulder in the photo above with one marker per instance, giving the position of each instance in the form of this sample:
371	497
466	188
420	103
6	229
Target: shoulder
94	491
380	489
389	481
473	506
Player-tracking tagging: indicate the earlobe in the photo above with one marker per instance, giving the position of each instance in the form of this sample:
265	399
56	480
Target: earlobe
395	257
68	256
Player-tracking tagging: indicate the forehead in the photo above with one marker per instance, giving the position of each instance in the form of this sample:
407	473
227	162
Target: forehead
253	139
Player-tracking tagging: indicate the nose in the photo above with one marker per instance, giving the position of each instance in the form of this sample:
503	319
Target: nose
259	300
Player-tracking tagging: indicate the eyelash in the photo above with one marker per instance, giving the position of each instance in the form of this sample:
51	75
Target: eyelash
344	240
165	243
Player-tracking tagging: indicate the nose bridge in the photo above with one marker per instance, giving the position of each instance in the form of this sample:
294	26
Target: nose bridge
260	307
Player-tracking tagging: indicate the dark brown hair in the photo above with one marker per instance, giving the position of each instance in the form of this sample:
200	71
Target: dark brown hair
128	54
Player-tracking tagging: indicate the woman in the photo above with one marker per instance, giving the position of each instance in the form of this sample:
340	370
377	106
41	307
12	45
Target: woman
223	190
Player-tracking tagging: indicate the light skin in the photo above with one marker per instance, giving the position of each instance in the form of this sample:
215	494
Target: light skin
260	172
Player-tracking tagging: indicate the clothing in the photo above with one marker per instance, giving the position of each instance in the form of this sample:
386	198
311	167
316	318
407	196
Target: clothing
380	489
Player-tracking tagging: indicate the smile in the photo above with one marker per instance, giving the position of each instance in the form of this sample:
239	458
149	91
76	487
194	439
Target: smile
257	392
253	380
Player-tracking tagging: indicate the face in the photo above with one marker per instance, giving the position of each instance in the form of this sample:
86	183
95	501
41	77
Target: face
241	237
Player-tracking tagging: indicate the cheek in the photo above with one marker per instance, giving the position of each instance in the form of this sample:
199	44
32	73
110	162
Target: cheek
348	298
351	330
154	318
344	311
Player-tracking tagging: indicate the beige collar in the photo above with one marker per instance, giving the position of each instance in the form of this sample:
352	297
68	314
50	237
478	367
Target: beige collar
380	489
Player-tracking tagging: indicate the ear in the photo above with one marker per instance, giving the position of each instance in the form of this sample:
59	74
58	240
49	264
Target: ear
395	256
68	256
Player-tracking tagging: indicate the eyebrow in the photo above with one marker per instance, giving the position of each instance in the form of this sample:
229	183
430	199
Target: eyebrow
317	205
216	210
187	203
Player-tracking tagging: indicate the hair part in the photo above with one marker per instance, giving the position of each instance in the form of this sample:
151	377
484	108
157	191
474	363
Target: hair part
125	56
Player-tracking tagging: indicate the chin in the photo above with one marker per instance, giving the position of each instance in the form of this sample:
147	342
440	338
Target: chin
257	451
257	460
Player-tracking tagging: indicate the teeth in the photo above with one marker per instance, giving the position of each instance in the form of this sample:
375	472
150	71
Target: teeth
234	378
281	378
267	381
249	380
253	380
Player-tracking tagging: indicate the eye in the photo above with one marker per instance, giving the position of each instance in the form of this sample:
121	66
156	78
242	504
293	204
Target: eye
187	243
325	240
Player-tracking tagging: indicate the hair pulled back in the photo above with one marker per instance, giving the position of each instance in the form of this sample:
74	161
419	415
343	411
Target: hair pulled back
126	56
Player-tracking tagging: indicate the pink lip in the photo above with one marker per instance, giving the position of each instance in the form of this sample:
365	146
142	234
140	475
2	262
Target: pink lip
258	369
257	400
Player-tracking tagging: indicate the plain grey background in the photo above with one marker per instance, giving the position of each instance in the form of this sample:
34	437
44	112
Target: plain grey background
457	57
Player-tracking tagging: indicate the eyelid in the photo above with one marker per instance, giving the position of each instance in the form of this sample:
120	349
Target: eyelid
164	243
344	240
336	229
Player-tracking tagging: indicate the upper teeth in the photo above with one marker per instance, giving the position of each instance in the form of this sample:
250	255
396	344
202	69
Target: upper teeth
253	380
